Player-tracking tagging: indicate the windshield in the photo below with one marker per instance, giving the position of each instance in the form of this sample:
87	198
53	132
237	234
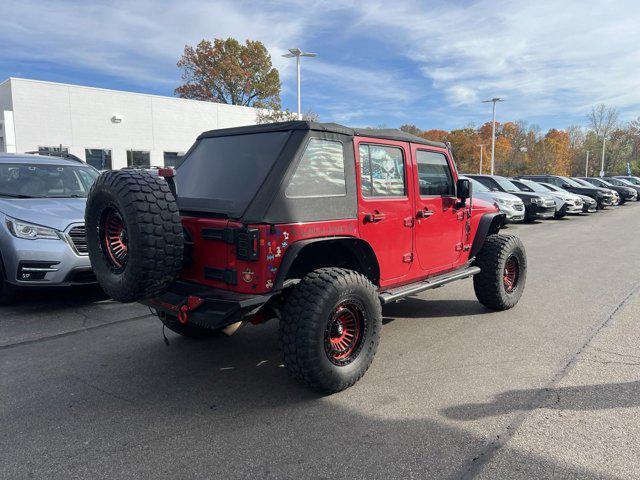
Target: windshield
597	182
552	188
223	174
617	182
536	187
22	180
477	186
633	180
506	184
575	182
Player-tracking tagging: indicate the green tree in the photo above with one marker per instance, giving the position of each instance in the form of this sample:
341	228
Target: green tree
226	71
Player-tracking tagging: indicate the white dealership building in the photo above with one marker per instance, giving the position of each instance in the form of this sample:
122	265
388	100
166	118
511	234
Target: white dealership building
106	128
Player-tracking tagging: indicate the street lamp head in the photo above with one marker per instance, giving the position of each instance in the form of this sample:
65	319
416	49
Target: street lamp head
495	99
296	52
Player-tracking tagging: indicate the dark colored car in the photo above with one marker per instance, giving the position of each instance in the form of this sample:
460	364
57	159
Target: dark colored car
603	196
536	205
562	204
629	178
626	193
316	224
621	182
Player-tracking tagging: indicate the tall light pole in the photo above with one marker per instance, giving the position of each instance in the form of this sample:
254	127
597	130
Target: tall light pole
604	140
493	130
586	166
481	147
296	52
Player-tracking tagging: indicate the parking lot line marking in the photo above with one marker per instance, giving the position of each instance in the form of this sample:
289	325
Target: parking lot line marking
485	456
73	332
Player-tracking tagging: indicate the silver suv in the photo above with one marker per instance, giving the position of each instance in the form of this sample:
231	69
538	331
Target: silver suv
42	237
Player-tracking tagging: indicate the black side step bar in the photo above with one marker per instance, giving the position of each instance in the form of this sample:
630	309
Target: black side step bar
433	282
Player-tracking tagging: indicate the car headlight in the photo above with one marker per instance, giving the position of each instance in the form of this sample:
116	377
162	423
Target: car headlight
537	201
29	231
504	201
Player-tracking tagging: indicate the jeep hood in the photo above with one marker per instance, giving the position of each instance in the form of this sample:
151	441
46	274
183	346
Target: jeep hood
56	213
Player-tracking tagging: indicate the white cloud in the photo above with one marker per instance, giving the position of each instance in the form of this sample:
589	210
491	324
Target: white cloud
547	57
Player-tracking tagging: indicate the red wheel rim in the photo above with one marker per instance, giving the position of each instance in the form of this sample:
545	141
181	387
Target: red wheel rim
114	238
511	274
344	333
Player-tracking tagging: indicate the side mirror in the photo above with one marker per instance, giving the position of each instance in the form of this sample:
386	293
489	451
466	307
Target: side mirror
463	189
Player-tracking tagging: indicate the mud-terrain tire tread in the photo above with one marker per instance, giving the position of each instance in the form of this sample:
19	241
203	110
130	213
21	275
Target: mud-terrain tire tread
304	316
488	284
150	212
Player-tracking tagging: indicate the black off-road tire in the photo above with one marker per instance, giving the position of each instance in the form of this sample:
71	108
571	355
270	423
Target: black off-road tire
154	238
306	317
490	284
187	329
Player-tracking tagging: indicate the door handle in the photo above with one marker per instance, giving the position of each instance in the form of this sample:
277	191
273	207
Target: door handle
424	213
374	217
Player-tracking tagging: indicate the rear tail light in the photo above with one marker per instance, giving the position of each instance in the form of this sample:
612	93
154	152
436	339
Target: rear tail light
247	244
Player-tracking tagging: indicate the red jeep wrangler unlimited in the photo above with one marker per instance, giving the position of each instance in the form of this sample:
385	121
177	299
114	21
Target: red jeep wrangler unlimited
316	224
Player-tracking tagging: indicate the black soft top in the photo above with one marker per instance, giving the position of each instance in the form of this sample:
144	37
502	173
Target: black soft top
386	134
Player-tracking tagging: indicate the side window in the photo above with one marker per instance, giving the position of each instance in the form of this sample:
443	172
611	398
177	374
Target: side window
320	172
382	171
554	181
522	186
434	176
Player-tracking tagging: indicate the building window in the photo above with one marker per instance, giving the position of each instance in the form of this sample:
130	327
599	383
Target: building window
138	159
98	158
172	159
434	176
381	171
320	172
54	150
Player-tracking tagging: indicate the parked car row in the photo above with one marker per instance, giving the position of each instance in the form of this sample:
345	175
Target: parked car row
529	197
43	197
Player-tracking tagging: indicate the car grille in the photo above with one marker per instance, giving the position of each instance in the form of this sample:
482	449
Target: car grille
79	238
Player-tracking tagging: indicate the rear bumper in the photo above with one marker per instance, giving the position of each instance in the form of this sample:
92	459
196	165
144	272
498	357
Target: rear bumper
216	308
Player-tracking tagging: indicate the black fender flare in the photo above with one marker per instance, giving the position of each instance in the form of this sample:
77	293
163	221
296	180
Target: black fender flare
490	223
296	248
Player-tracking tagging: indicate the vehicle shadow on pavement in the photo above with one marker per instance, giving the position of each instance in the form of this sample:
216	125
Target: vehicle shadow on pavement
222	408
583	397
414	307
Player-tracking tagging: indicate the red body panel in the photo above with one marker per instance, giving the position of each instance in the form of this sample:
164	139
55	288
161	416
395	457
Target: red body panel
408	248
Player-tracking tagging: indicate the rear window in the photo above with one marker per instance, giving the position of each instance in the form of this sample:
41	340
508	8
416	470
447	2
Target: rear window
320	172
223	174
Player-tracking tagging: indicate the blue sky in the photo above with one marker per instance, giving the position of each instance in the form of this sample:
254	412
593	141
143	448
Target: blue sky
429	63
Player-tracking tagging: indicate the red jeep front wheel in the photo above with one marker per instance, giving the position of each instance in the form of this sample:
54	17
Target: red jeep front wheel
330	328
503	272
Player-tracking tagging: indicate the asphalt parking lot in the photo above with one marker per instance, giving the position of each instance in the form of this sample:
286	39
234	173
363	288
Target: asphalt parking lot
551	389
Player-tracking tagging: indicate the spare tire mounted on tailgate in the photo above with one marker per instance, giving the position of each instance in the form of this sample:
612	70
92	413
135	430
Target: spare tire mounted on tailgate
134	234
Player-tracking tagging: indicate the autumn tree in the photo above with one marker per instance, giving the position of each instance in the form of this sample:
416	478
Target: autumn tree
272	116
410	128
226	71
434	135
